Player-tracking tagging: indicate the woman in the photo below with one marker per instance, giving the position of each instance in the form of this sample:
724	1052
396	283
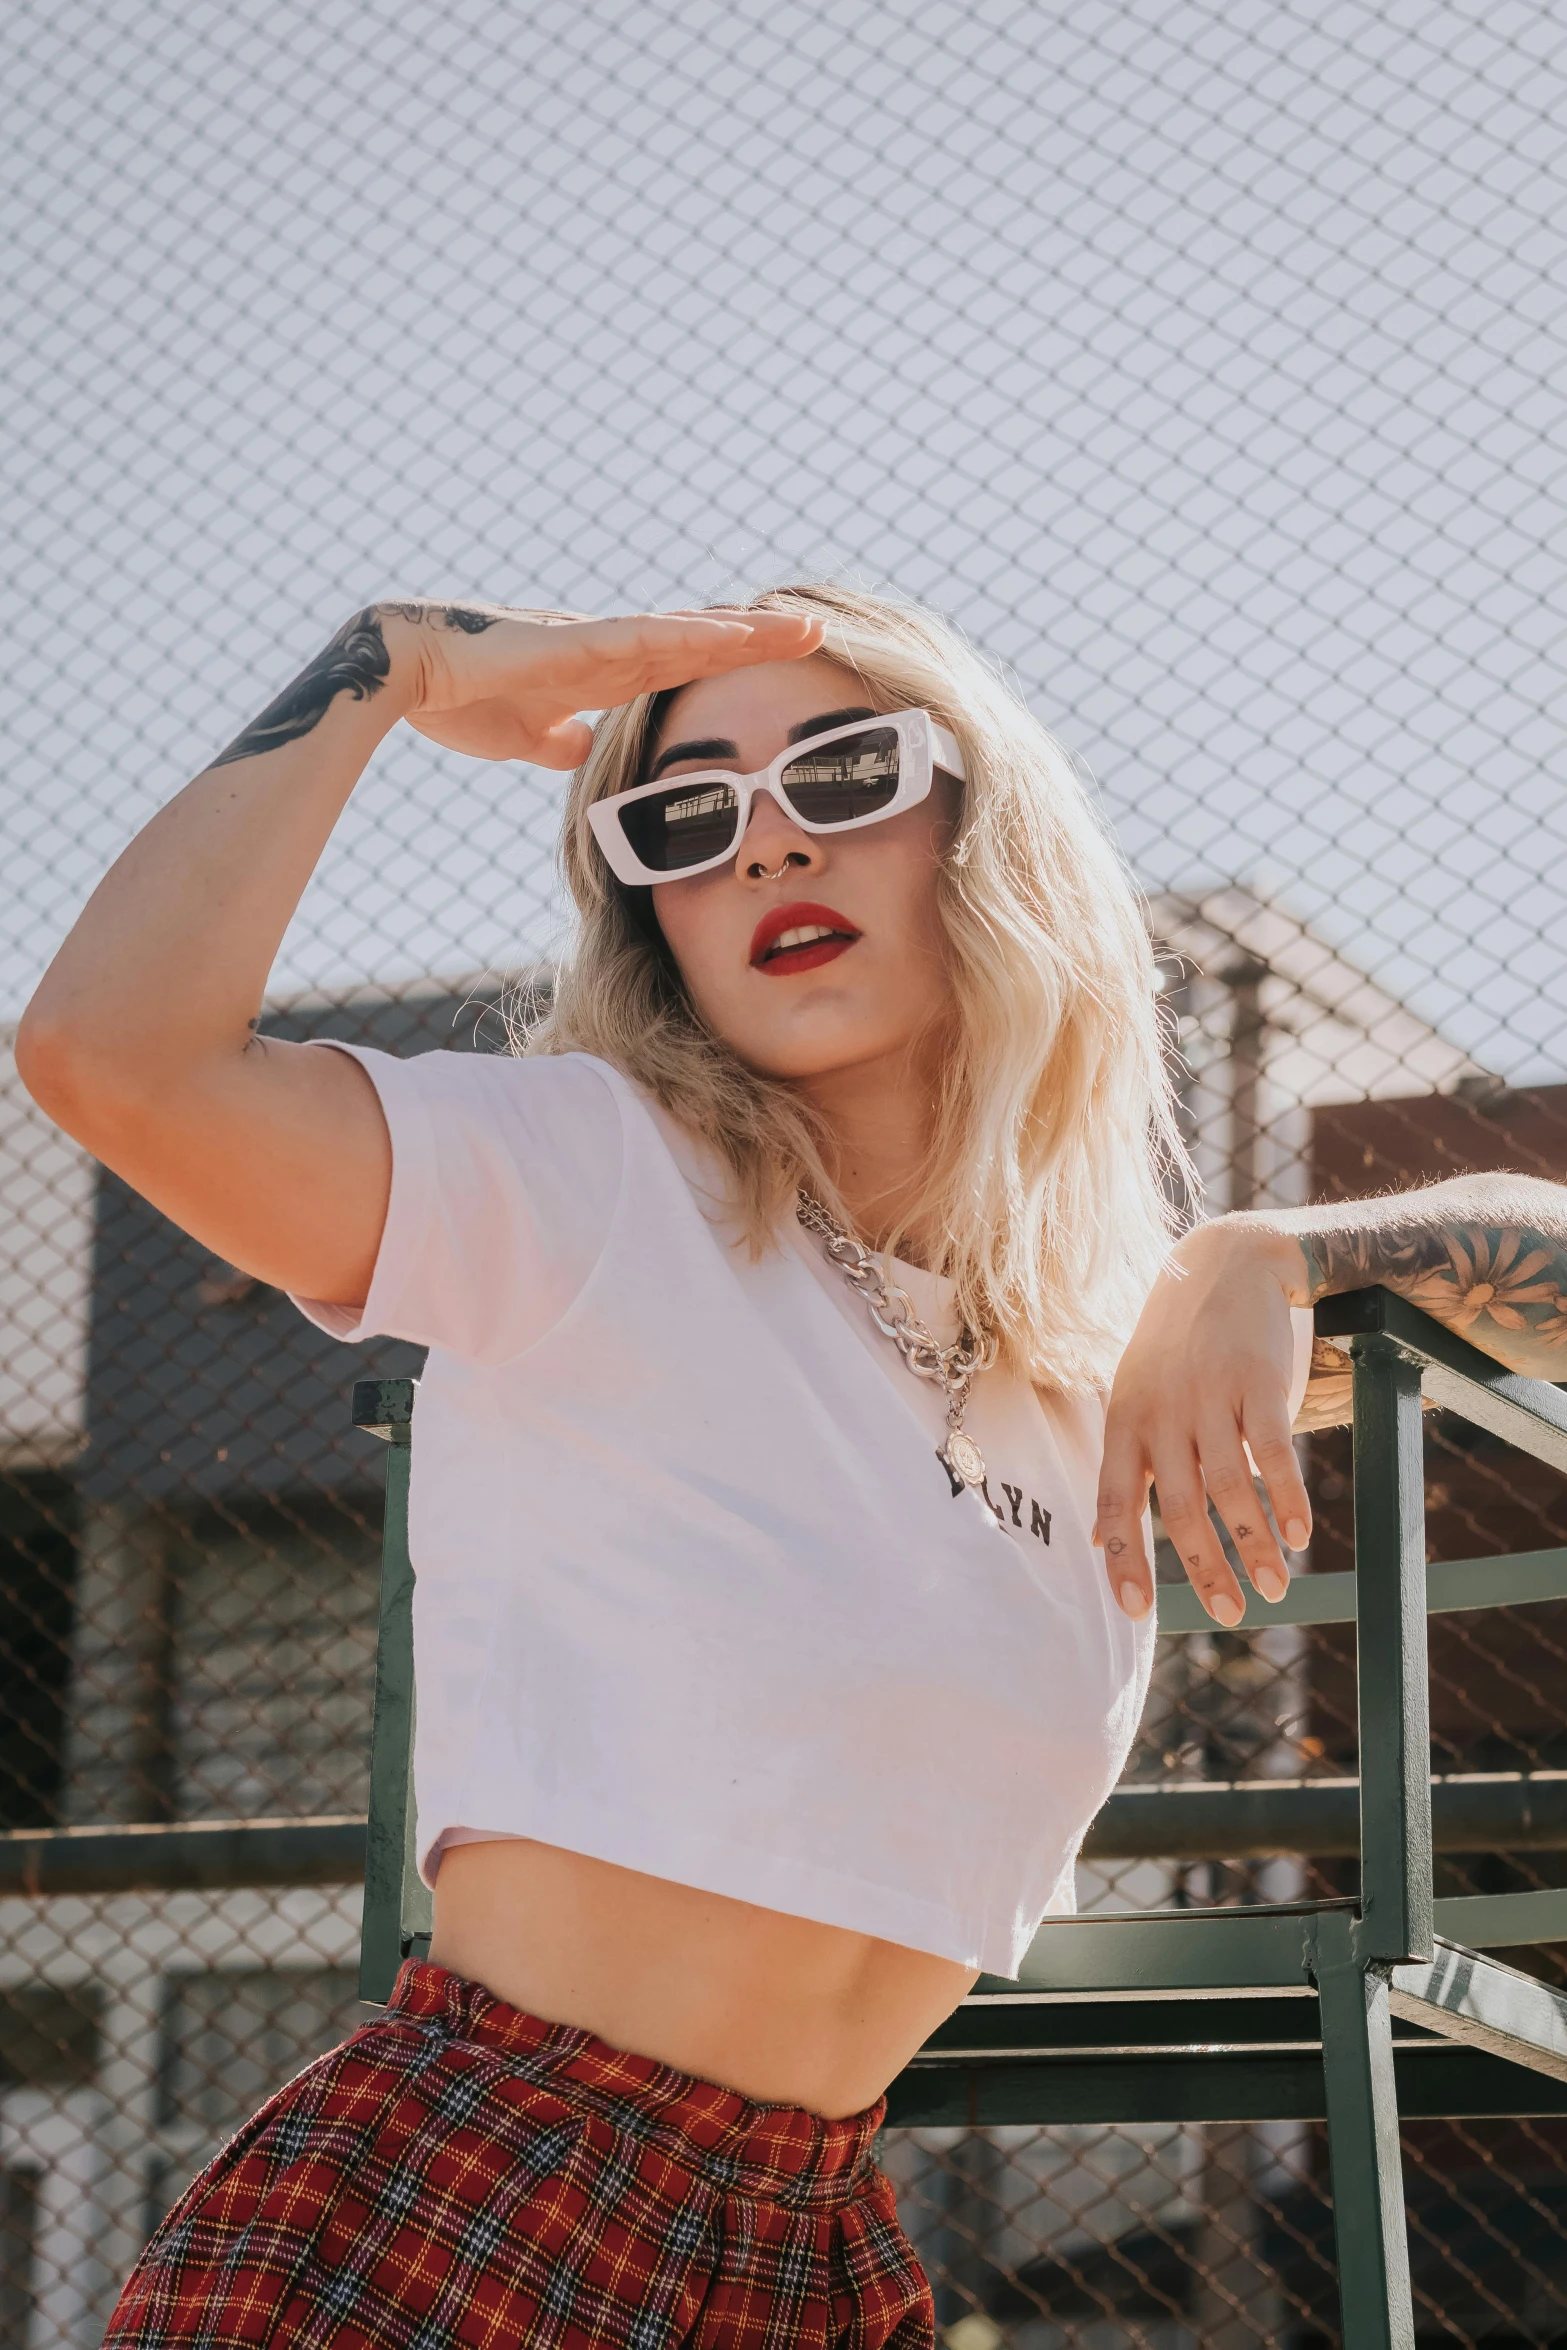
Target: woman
767	1680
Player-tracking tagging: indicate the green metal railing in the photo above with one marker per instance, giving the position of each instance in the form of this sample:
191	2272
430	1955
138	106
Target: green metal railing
1352	2010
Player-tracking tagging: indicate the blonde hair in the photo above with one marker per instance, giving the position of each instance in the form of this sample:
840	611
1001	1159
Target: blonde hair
1053	1139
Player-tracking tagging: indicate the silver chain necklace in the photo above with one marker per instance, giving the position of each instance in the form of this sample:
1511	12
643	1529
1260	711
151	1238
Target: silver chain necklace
952	1368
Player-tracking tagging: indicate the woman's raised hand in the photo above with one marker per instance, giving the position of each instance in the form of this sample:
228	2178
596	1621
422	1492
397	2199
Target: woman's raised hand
276	1155
504	684
1206	1378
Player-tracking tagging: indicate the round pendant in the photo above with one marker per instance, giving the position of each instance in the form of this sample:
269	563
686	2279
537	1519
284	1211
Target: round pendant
964	1458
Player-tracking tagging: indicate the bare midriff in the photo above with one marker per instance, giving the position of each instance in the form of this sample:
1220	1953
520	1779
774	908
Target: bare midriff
779	2008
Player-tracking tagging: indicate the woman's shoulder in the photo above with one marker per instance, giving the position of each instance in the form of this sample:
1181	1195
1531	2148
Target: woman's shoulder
566	1074
498	1079
530	1111
445	1103
569	1096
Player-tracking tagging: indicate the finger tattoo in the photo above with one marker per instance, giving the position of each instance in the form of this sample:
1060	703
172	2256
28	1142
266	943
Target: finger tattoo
462	617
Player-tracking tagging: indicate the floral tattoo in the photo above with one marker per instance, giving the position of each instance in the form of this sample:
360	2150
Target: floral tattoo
1502	1284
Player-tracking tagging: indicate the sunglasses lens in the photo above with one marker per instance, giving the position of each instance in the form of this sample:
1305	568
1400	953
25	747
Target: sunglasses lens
671	830
846	780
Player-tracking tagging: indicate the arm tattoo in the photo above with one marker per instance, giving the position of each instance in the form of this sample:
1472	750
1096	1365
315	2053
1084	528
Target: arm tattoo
355	662
1498	1276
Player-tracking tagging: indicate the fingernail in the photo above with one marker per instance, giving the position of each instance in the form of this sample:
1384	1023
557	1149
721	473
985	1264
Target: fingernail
1296	1533
1272	1583
1133	1600
1225	1607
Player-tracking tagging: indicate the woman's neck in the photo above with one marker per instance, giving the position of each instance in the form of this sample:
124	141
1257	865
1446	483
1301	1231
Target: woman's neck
879	1121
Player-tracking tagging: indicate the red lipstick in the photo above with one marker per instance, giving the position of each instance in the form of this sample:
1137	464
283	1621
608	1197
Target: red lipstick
778	961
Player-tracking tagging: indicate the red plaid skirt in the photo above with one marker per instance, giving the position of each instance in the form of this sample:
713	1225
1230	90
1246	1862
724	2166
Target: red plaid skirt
462	2173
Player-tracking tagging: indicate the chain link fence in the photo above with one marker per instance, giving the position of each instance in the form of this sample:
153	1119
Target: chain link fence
1204	360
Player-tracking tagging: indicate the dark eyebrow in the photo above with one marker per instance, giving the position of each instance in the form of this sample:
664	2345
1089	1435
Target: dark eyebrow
715	747
823	724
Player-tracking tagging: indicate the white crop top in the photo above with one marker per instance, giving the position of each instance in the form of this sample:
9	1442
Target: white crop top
693	1591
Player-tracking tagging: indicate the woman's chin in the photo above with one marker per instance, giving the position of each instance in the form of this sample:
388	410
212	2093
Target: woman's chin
818	1026
802	1060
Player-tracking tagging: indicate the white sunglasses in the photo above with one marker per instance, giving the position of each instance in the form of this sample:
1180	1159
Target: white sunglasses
856	775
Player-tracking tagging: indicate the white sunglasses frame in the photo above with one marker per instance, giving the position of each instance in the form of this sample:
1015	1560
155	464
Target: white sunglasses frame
923	746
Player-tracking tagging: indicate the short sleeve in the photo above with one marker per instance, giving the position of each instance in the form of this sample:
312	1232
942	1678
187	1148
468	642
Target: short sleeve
505	1177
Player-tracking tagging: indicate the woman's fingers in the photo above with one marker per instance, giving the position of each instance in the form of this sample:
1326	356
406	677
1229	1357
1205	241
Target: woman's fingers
783	632
564	746
542	669
676	649
1190	1470
1232	1489
1136	1453
495	730
602	662
1266	1427
1183	1512
1202	1398
1120	1530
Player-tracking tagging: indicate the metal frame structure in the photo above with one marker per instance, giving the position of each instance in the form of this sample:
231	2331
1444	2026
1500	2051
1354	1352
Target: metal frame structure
1352	2011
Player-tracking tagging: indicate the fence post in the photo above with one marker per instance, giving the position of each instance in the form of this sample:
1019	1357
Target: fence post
1369	2230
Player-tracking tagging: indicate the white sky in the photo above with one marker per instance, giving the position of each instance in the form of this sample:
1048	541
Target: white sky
1205	361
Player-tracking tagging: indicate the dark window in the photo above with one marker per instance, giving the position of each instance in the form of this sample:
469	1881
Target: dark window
37	1582
18	2243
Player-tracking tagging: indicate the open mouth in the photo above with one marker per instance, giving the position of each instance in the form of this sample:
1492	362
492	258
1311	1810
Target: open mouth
799	938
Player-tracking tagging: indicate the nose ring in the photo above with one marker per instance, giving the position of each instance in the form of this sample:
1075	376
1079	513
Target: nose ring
778	876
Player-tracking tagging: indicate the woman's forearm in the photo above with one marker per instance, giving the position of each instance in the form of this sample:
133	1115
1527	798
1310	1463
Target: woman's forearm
166	965
1484	1254
1209	1363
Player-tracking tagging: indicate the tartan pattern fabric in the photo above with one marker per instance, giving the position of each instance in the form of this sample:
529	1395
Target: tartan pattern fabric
461	2173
